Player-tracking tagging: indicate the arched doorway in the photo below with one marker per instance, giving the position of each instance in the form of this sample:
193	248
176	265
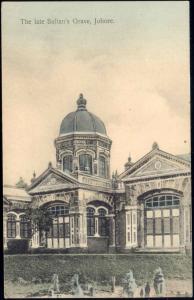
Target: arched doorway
162	219
58	234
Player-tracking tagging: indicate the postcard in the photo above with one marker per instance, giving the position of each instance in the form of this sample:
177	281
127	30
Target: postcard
96	149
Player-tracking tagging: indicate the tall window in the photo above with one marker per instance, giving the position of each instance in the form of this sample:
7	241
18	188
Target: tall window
24	227
11	226
102	222
90	221
67	163
102	166
85	163
162	220
60	224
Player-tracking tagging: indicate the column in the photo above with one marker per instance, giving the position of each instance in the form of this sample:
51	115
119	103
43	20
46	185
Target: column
18	228
181	228
75	163
111	231
131	227
82	230
141	241
72	230
96	225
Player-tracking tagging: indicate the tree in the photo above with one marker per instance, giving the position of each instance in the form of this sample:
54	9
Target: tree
40	218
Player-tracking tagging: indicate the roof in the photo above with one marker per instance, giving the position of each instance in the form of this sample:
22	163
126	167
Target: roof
148	156
82	120
65	180
14	193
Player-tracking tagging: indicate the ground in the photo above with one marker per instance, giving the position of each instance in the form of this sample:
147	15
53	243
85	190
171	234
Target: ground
94	269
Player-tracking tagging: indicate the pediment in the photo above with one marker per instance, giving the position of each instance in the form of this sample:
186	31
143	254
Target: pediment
52	180
157	165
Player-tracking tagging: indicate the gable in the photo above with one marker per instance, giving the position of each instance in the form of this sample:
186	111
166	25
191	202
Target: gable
52	180
157	165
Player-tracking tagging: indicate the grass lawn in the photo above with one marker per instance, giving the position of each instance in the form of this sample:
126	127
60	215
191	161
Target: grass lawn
98	268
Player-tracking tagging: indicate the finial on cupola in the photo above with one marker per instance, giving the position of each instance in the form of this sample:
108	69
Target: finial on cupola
129	158
129	163
50	164
81	103
34	177
155	146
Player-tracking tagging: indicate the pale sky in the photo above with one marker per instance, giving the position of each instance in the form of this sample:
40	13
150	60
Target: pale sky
134	74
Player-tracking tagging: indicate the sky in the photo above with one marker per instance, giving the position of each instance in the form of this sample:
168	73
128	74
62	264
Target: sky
134	73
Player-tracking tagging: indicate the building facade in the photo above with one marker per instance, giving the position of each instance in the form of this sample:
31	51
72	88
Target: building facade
146	208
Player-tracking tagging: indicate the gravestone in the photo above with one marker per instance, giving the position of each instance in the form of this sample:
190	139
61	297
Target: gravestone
55	282
129	285
159	282
75	286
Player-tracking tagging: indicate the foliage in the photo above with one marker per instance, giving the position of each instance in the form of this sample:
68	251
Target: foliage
103	267
17	246
40	219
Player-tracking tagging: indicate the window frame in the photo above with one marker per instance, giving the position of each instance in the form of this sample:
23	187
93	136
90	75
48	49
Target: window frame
11	226
69	163
87	162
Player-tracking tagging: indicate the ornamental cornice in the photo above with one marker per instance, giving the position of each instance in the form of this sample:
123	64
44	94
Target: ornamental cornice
82	136
156	177
142	161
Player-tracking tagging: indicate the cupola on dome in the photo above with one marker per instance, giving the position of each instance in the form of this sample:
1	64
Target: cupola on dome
82	120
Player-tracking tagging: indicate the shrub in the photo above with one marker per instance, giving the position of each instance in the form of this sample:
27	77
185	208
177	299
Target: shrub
95	268
18	246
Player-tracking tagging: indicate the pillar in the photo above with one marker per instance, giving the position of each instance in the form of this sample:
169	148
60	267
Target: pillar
111	231
131	226
141	237
18	228
96	225
181	228
78	230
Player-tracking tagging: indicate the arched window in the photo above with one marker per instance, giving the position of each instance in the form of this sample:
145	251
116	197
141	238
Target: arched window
162	223
85	163
67	163
11	226
58	210
102	166
59	228
90	221
162	201
24	227
102	222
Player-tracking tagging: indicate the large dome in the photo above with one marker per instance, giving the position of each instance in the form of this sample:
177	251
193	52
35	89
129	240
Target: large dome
82	120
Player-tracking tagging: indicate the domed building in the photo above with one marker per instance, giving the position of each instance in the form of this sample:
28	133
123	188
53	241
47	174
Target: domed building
145	208
78	191
83	144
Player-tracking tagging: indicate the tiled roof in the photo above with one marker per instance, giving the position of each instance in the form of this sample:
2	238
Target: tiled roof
14	193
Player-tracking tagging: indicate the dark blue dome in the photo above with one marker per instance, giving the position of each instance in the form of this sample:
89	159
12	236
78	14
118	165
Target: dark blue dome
82	121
